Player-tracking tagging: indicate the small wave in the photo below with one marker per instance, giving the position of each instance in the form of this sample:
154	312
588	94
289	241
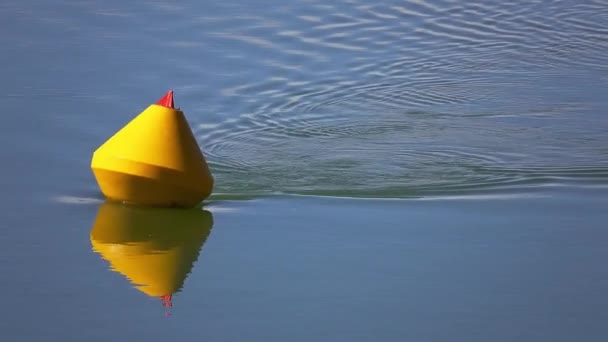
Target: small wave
394	99
66	199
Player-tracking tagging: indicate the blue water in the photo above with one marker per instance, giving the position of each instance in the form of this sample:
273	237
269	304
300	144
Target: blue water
404	170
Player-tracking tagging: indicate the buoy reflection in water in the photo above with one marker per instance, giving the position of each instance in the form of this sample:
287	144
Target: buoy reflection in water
154	248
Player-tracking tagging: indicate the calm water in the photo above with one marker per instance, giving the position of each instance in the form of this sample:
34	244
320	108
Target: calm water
453	156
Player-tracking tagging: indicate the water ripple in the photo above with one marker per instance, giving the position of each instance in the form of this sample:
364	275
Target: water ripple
357	98
412	98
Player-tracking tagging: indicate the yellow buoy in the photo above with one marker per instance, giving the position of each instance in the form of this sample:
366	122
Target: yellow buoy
154	160
155	248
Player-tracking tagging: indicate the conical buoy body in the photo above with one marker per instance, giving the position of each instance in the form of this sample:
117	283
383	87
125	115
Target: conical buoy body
154	248
154	160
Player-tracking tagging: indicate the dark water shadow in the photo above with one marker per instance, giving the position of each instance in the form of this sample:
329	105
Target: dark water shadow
154	248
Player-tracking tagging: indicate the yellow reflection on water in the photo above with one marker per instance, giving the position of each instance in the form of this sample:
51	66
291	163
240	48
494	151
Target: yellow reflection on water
155	248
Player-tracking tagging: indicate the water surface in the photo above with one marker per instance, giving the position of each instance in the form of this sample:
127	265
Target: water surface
453	158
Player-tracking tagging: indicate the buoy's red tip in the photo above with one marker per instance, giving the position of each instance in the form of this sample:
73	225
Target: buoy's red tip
167	100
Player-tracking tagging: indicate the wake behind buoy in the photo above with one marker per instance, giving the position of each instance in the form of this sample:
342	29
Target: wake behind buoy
154	160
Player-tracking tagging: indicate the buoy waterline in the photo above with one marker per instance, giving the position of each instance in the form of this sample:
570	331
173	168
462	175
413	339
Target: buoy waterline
154	160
